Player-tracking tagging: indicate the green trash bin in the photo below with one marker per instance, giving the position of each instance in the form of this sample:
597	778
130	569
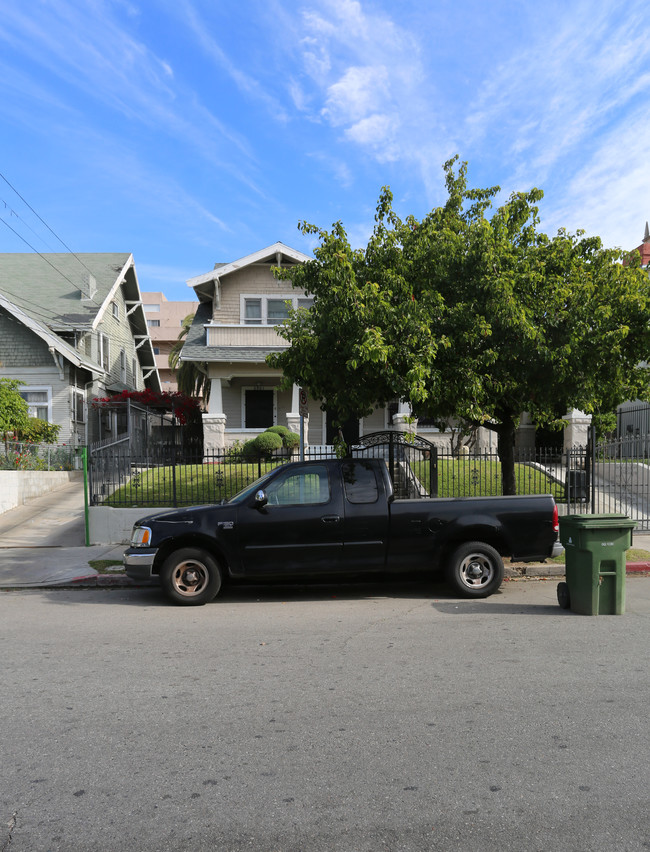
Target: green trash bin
595	548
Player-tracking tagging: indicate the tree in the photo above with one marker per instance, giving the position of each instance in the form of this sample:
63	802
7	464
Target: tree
191	376
469	316
14	412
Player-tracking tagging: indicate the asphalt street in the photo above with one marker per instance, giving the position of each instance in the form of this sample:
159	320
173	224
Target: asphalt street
360	718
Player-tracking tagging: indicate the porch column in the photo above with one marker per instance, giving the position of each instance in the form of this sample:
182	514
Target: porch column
576	434
525	434
400	420
293	416
214	421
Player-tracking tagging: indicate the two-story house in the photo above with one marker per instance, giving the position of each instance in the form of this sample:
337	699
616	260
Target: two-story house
72	327
234	329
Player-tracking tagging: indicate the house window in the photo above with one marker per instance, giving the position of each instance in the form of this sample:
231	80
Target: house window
259	408
269	310
134	372
156	350
253	311
123	366
78	407
151	308
277	311
115	308
39	401
104	352
153	323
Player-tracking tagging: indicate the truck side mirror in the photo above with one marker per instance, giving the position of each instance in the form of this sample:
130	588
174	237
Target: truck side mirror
261	498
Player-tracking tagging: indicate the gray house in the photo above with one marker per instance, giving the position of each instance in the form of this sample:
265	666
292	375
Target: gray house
72	327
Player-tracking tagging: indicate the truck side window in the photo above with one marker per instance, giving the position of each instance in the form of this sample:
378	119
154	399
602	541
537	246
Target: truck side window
359	482
302	487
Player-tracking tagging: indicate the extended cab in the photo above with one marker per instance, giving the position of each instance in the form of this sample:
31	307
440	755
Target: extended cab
338	517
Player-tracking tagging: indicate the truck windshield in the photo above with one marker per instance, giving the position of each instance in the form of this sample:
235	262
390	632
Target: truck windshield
242	495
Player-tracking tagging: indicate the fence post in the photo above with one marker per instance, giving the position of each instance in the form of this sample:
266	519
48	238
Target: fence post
84	462
433	472
174	476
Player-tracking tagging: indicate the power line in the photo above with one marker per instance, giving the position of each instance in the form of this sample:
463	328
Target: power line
13	188
26	224
20	237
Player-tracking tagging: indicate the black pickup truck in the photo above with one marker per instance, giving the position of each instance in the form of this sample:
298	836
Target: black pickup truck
323	519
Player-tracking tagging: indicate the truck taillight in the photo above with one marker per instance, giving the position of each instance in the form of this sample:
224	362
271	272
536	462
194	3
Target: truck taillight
556	520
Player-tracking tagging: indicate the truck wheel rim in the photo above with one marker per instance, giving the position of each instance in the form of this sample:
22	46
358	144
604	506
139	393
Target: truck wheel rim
190	578
476	570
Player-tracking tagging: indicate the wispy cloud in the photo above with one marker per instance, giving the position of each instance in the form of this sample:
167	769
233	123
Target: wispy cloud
71	42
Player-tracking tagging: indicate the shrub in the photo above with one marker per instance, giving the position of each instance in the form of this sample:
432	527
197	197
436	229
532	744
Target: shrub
290	440
249	451
39	432
267	443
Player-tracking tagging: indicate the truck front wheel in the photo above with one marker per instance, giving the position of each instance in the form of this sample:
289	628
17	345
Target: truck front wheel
475	570
190	577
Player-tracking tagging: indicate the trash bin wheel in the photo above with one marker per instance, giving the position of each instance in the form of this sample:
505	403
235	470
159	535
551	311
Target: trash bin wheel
563	597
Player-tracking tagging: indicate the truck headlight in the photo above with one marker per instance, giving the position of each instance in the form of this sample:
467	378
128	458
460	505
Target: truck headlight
141	537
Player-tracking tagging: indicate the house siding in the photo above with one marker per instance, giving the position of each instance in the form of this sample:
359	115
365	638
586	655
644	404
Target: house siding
19	345
254	280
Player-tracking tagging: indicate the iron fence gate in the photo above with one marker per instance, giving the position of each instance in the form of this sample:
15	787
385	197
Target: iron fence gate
610	476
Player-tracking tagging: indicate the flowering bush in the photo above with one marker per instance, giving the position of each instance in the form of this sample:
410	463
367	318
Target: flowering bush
185	408
26	455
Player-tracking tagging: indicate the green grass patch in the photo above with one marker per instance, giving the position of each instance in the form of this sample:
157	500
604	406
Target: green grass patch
468	477
191	484
105	566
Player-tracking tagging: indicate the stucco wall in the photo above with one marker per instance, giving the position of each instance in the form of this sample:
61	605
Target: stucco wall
113	526
18	487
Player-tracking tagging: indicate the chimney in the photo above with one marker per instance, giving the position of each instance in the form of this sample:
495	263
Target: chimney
88	289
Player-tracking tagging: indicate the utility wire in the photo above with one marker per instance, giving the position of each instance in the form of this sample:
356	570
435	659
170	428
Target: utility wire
45	223
20	237
26	224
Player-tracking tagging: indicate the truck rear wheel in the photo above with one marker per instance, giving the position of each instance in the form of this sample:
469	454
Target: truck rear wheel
190	577
475	570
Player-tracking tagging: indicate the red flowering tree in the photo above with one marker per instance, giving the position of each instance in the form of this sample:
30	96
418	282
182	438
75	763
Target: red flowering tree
184	408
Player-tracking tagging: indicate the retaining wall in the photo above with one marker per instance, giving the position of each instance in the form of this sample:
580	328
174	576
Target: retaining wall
18	487
113	526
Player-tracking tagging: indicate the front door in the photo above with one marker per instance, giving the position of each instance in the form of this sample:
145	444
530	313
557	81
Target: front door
299	530
350	429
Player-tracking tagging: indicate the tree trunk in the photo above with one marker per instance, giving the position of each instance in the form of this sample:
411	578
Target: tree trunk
506	448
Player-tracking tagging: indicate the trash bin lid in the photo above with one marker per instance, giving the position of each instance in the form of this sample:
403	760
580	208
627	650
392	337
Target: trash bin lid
603	521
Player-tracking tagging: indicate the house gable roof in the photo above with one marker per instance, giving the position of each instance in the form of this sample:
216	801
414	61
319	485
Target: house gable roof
59	293
278	253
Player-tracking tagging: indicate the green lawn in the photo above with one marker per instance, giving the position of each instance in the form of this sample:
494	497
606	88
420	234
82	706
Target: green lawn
192	484
206	483
467	477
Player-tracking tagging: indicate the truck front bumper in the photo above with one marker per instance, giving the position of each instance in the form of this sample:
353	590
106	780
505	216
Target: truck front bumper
138	562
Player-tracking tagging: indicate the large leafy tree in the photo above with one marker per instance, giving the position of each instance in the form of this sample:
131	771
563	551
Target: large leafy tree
469	313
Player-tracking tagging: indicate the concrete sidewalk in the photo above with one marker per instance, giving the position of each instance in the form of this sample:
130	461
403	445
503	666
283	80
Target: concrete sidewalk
42	544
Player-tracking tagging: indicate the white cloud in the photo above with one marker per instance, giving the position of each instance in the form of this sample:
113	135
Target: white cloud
358	92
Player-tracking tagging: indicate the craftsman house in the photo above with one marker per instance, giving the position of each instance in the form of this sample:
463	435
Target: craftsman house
72	327
233	331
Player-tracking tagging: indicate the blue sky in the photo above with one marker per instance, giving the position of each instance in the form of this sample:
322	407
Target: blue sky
190	132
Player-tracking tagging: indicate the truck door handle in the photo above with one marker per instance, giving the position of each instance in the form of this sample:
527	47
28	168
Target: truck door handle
331	519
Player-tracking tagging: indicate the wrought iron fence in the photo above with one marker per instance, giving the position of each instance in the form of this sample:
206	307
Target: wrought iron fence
614	477
18	455
162	478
